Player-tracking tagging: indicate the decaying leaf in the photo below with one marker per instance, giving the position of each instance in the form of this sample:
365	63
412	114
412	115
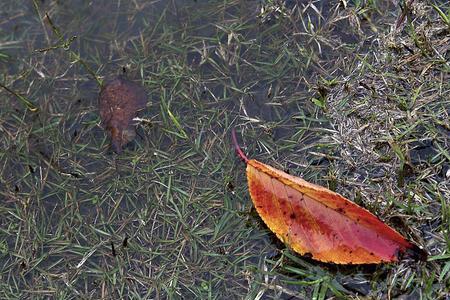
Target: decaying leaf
315	221
119	102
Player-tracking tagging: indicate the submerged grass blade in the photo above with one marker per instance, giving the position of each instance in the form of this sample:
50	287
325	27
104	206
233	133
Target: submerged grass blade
21	98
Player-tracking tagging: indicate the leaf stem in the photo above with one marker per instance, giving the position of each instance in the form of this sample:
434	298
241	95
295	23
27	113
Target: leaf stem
237	147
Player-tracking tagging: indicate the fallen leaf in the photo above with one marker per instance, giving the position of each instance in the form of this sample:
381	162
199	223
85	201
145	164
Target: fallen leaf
314	221
119	102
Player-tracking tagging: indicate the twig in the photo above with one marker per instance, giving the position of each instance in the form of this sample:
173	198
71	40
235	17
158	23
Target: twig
65	44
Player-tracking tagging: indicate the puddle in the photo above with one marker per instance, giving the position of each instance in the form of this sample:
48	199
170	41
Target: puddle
209	65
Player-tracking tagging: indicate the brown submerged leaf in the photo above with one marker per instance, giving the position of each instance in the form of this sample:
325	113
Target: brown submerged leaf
119	102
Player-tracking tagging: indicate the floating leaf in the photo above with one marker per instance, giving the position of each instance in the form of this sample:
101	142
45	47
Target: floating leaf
119	102
315	221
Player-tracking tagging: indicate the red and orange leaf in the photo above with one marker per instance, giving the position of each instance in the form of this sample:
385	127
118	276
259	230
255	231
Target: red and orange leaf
316	221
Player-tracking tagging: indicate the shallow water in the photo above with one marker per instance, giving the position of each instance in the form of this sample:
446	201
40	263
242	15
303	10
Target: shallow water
214	65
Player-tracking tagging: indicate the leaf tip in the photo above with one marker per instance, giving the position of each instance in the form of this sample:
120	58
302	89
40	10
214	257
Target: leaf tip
416	253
